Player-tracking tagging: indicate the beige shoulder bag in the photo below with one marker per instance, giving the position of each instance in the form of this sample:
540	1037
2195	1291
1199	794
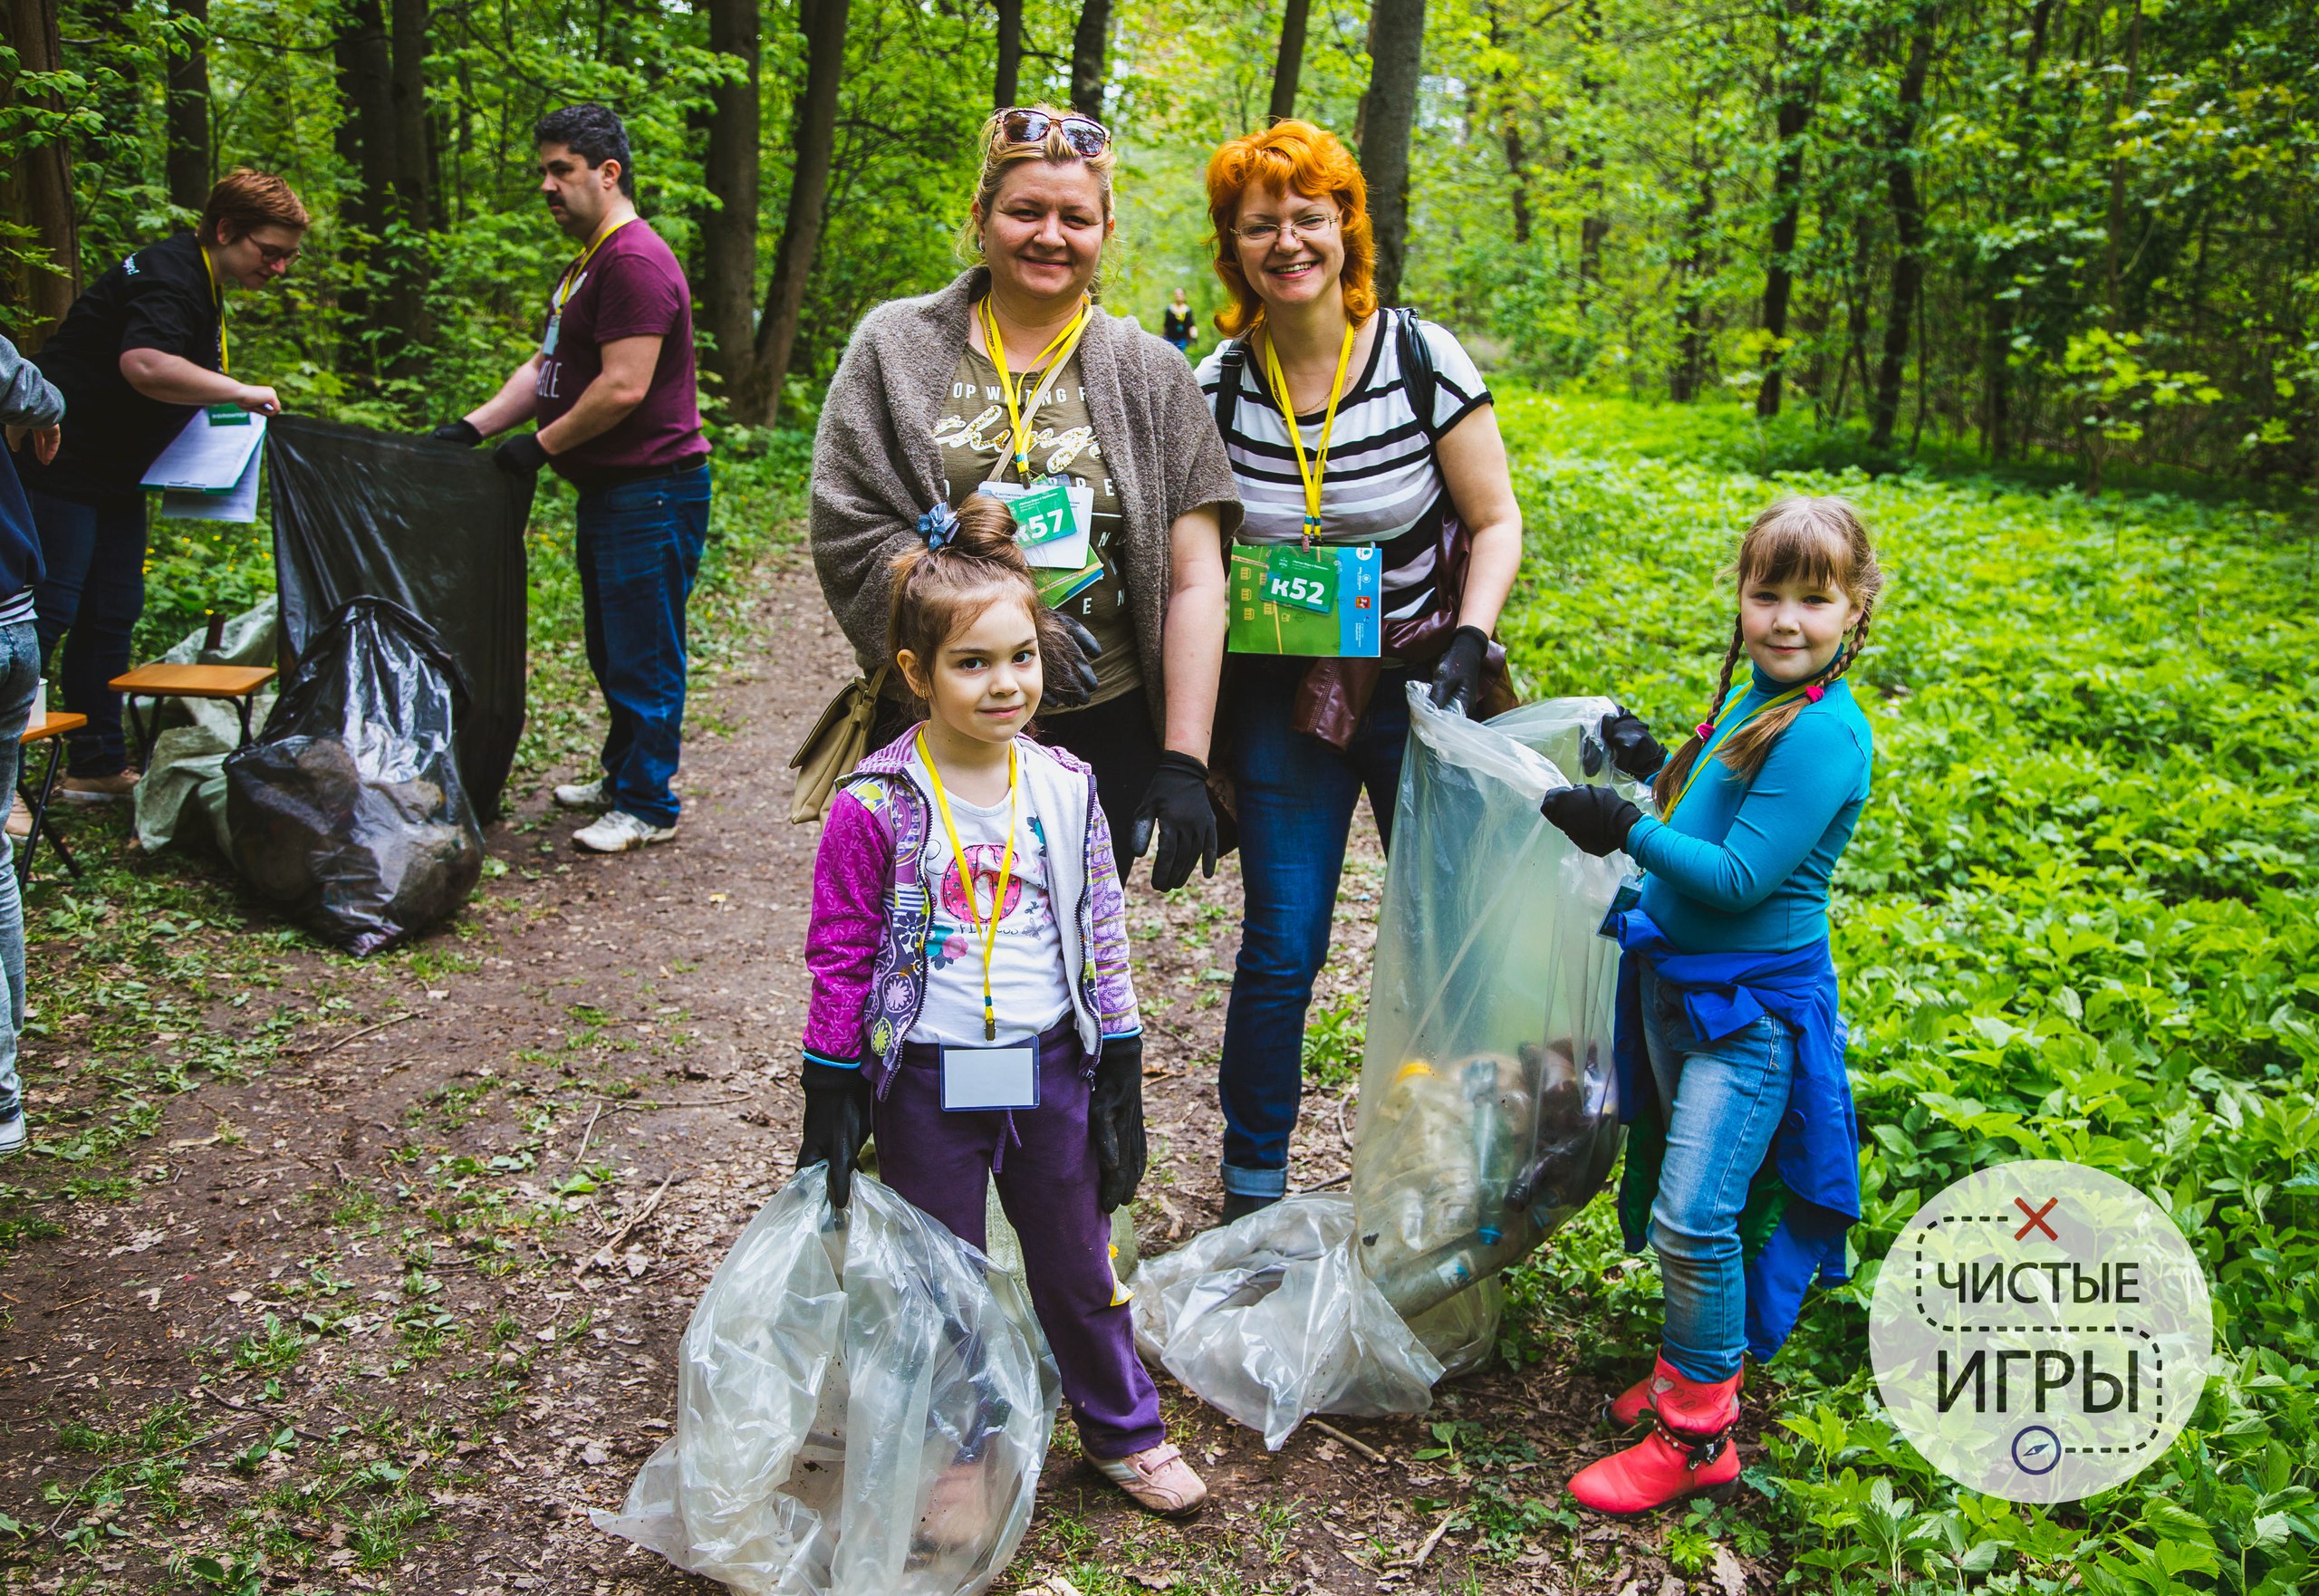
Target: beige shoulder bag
834	746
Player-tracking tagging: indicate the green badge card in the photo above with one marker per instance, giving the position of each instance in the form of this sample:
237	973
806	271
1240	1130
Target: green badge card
1322	602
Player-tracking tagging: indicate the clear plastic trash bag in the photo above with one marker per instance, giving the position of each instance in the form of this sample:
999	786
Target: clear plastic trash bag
1462	1333
863	1409
1268	1319
1488	1107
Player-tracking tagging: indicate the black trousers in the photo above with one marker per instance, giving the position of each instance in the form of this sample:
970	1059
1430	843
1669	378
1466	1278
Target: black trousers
1114	737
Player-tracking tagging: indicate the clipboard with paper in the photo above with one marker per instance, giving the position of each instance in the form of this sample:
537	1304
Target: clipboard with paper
209	472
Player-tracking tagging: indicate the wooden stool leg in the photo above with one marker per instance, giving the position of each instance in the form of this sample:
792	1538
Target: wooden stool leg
39	806
144	729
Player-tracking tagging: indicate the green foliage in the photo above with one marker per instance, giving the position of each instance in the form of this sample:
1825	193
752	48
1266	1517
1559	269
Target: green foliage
2076	921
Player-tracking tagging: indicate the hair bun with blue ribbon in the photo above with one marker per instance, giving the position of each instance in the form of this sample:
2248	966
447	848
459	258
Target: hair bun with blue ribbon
938	526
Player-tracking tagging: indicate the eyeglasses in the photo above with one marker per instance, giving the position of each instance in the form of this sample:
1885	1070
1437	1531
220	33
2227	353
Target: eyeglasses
275	254
1085	136
1312	223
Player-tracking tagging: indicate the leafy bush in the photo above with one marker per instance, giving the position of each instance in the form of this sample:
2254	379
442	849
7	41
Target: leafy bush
2077	922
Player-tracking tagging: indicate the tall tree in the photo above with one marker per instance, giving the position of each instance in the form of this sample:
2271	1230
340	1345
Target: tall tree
1796	88
405	250
729	231
364	141
1288	65
1005	79
1908	228
37	179
1387	114
814	139
1090	42
187	164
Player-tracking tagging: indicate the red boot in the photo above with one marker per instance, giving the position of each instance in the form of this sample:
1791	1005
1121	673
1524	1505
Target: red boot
1688	1452
1637	1400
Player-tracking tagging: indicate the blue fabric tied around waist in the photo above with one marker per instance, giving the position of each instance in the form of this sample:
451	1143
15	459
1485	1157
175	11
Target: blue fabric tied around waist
1816	1155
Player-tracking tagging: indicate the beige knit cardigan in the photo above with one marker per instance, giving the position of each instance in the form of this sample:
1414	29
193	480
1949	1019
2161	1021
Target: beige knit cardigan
877	467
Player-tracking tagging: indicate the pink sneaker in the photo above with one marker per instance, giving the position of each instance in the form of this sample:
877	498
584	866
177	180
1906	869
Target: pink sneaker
1158	1479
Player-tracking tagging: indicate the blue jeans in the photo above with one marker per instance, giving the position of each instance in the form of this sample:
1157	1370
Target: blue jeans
639	549
19	680
91	596
1724	1101
1295	795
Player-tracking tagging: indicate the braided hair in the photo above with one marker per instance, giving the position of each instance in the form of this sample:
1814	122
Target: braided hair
1823	540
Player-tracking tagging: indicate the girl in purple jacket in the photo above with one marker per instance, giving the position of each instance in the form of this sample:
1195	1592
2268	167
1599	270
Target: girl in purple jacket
971	1001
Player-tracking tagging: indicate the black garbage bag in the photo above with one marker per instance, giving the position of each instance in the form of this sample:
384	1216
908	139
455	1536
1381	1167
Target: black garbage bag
437	529
348	809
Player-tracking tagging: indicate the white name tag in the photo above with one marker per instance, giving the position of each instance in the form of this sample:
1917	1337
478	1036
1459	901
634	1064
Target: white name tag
976	1078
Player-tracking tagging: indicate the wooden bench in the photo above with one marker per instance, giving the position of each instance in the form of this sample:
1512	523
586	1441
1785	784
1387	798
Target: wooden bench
51	731
239	683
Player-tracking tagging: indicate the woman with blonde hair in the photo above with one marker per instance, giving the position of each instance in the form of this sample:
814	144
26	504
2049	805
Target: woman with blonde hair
1011	380
1346	426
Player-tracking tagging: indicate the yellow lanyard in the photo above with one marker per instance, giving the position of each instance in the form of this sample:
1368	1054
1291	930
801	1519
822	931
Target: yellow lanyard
224	365
1020	415
1699	763
567	282
967	876
1309	475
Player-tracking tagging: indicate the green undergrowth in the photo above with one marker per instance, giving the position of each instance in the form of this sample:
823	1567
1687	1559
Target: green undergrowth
2077	922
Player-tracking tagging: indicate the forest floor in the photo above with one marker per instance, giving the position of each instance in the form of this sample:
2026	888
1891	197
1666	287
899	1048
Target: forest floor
369	1277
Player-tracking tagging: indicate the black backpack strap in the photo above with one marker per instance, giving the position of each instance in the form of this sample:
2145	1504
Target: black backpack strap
1419	377
1227	402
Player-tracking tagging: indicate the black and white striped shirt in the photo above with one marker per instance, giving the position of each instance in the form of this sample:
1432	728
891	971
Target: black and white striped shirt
1383	483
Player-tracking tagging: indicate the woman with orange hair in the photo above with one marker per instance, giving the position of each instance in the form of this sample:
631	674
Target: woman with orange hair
1345	426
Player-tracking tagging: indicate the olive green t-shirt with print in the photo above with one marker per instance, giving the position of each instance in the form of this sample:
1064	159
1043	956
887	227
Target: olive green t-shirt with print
972	433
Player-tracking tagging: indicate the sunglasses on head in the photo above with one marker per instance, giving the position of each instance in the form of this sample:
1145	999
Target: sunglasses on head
1085	135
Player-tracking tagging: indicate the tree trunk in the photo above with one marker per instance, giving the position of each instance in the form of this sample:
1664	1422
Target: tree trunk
1690	347
1289	64
364	142
1006	81
815	140
1388	114
2120	95
1908	232
1089	42
1595	226
187	164
407	266
37	183
728	232
1997	426
1794	115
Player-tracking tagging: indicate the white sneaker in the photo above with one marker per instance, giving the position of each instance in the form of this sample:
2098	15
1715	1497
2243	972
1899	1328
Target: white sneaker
587	795
619	832
12	1135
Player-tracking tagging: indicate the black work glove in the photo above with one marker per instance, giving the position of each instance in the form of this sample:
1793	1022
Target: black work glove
1595	818
1115	1119
837	1122
1071	681
461	432
520	456
1635	752
1176	807
1457	679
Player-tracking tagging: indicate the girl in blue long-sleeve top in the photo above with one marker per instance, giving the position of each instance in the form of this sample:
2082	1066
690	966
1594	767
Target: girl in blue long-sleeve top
1742	1165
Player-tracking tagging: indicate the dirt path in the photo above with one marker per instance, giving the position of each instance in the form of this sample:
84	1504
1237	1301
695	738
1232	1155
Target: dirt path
391	1313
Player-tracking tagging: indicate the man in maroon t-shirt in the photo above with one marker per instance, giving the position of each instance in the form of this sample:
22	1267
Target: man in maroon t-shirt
611	387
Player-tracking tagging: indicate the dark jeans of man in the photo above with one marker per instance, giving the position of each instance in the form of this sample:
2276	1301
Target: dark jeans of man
638	551
1114	737
93	593
1297	795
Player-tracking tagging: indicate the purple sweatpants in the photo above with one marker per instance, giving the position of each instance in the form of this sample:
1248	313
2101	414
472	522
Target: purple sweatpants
943	1162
